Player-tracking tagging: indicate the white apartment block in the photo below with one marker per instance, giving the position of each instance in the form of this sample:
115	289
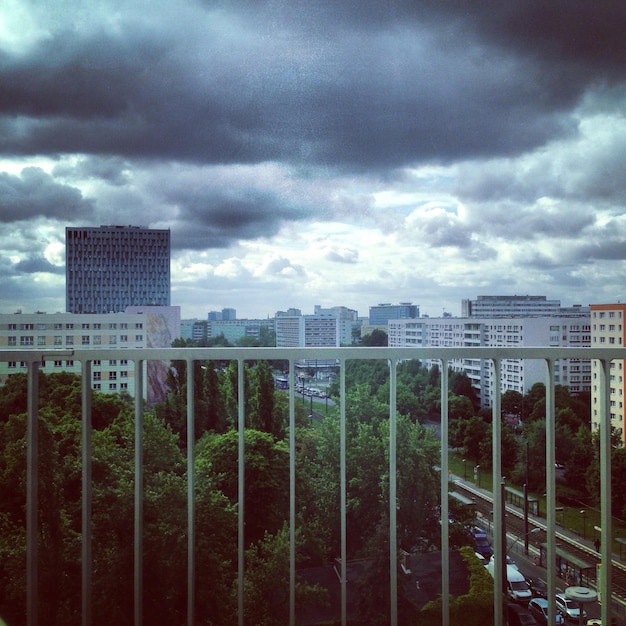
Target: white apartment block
58	335
510	306
608	331
516	374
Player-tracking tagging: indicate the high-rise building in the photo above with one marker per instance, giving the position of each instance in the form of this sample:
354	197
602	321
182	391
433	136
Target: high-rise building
608	331
109	268
382	313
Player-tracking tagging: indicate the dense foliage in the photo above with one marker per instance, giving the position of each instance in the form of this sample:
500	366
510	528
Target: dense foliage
267	487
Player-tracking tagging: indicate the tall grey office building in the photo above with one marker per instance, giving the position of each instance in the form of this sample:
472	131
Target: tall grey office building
111	267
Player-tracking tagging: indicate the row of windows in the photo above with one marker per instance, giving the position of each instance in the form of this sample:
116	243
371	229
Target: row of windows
86	340
71	326
70	363
611	314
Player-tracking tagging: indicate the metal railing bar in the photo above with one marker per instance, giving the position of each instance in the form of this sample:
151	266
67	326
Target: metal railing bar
138	543
292	495
550	492
445	505
498	504
191	499
241	424
393	496
87	491
32	494
342	489
605	582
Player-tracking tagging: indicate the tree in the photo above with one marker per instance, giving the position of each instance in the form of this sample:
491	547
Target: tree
266	477
376	338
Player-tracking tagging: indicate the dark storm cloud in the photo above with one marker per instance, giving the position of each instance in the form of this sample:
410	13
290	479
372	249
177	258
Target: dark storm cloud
109	169
345	84
35	194
218	218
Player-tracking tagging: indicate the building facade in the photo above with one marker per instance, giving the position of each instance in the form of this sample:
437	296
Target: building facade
58	336
608	331
109	268
510	306
382	313
516	375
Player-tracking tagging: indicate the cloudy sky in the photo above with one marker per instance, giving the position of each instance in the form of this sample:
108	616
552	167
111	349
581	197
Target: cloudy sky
333	152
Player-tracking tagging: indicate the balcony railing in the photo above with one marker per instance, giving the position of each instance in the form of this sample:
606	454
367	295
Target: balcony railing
393	356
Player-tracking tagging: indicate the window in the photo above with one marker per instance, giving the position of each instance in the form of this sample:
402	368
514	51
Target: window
58	340
69	326
85	326
97	386
112	386
97	375
112	375
58	364
123	361
41	341
12	326
69	341
124	374
123	385
85	340
96	362
58	326
113	362
123	325
41	327
112	326
69	363
27	340
12	341
138	337
27	327
97	340
12	363
139	325
123	337
97	326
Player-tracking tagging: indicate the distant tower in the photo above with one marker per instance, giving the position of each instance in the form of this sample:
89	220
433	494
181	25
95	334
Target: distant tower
108	268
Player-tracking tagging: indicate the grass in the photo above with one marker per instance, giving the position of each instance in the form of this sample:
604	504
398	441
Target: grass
568	517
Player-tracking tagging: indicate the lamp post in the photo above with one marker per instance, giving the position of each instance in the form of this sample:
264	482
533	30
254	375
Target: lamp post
530	532
464	469
477	475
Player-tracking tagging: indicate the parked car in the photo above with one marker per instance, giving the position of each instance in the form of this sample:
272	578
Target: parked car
481	541
520	615
569	608
538	587
539	608
598	622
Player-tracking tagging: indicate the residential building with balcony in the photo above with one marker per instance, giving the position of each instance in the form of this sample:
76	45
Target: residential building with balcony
608	331
516	375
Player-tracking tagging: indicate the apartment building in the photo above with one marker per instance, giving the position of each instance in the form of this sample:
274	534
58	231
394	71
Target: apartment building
516	375
510	306
58	335
109	268
608	330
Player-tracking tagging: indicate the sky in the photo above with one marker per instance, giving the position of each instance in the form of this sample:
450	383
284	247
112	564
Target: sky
331	152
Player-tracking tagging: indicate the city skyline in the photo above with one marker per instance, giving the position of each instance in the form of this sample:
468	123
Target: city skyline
323	153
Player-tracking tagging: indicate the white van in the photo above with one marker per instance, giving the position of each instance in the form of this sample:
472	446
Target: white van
516	586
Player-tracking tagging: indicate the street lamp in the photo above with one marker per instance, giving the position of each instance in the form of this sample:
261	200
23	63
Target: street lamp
477	475
525	537
464	469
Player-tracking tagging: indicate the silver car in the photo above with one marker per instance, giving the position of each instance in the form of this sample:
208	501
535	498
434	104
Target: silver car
539	608
569	608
